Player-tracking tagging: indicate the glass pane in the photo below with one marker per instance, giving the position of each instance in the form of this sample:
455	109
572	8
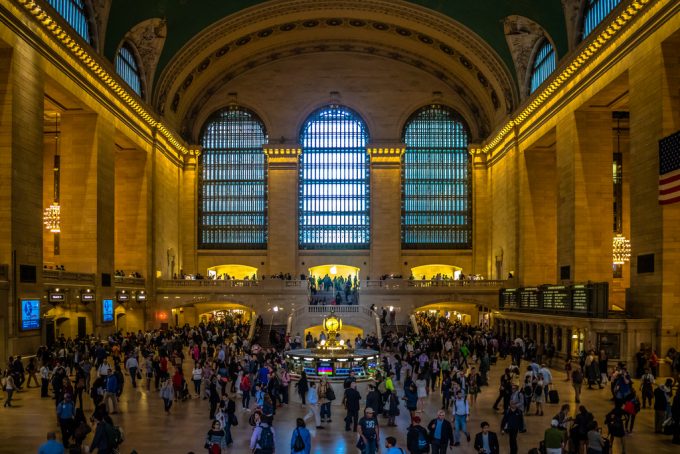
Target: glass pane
73	11
126	67
334	189
436	184
596	11
232	201
544	65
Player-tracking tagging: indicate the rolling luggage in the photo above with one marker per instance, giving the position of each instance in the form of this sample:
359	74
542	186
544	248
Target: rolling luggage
553	396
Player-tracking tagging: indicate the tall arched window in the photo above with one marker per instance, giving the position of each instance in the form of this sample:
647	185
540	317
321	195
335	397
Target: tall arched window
128	69
73	11
233	182
436	181
334	189
543	66
595	12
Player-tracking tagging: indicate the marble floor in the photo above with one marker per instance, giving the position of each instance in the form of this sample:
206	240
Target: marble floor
149	430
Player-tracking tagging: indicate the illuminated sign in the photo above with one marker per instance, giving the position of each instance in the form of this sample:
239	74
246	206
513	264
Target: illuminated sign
107	310
30	314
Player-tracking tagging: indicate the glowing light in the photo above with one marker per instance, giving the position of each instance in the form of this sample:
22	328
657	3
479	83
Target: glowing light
334	270
52	218
621	250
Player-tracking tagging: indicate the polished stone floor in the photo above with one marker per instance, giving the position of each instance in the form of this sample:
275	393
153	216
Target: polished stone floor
149	430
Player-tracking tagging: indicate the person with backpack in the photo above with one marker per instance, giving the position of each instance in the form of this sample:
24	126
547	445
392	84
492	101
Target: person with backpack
632	408
391	446
615	421
440	433
301	439
216	439
417	438
66	413
104	441
262	439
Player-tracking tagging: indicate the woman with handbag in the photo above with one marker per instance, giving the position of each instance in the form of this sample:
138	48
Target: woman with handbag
301	440
216	439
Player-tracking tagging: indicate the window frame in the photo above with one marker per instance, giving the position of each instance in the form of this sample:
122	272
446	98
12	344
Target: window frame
132	64
263	227
591	7
305	232
468	227
87	15
538	63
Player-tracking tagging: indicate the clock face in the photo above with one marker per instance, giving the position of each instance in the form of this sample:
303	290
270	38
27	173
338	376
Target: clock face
332	324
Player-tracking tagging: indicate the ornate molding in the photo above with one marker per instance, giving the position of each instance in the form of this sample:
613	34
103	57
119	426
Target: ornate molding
522	35
100	13
386	154
322	13
473	114
148	38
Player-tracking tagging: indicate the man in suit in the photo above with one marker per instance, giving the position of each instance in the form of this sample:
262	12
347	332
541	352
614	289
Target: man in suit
441	433
486	442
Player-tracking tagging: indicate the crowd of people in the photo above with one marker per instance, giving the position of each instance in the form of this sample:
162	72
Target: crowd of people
237	378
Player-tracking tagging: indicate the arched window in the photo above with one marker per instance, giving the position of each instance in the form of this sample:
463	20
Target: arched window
544	65
128	69
595	12
73	11
334	190
233	182
436	181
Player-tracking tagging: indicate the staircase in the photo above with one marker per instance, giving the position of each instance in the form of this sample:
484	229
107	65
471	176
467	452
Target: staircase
264	339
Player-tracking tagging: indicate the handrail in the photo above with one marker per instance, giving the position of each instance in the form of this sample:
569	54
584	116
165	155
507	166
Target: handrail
407	283
129	280
230	283
58	275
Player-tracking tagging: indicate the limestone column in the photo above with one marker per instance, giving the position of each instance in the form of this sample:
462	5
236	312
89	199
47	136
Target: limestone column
189	216
654	85
21	183
482	262
385	208
585	195
282	209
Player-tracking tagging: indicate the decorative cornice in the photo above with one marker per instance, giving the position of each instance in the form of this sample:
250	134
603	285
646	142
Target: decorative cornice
272	151
386	154
552	86
62	36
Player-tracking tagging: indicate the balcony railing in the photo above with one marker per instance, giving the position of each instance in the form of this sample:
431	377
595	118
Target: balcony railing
221	283
406	283
67	276
134	281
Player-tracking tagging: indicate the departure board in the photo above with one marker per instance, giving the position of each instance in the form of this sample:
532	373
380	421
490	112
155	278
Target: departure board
508	298
580	296
529	298
556	297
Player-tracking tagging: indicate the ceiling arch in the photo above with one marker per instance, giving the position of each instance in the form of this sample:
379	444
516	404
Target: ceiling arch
398	30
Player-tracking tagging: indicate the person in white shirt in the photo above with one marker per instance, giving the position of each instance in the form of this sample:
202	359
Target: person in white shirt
45	375
313	401
104	369
547	379
461	413
132	365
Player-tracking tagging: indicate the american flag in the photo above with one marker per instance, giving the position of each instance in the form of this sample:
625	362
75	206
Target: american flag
669	169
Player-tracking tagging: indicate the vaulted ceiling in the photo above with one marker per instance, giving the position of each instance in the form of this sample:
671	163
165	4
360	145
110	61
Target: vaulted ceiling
187	18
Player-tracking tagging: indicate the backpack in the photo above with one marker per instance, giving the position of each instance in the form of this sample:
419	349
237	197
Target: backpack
330	394
423	443
266	439
299	444
245	384
114	435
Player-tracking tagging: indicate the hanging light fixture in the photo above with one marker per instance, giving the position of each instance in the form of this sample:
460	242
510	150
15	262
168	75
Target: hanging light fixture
621	249
52	214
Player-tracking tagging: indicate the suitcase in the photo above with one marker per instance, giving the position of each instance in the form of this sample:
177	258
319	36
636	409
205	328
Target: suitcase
553	396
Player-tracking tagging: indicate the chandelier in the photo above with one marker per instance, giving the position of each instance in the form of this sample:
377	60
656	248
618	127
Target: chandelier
621	249
52	218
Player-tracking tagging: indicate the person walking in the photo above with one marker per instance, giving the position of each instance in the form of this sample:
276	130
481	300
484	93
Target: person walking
9	389
167	394
352	402
262	439
554	439
486	442
51	446
577	381
302	387
461	413
301	439
440	433
660	407
417	438
111	391
313	399
511	424
369	431
45	375
197	378
132	366
391	446
66	413
615	423
216	439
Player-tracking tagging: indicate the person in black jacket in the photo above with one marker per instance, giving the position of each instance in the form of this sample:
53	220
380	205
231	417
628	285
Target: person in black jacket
511	424
661	394
352	402
491	441
417	438
441	433
373	398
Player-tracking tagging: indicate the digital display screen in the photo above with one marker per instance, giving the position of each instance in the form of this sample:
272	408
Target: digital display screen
358	370
107	310
325	369
141	296
123	297
30	315
309	370
342	371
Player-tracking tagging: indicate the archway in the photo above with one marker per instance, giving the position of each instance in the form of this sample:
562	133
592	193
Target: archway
466	313
334	270
435	272
233	271
348	332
